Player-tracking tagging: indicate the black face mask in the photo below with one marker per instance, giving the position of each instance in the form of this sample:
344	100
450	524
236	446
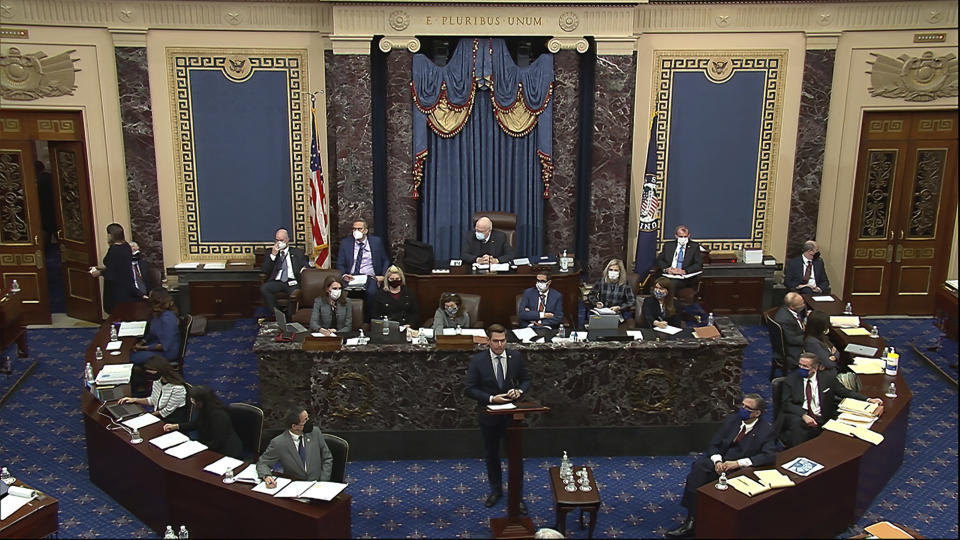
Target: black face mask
151	376
136	256
816	255
395	283
308	427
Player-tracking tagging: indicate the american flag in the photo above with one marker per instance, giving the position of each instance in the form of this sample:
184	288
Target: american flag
318	199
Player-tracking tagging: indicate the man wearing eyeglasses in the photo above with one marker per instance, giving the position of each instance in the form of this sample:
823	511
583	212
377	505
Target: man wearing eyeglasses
541	306
363	254
743	440
495	377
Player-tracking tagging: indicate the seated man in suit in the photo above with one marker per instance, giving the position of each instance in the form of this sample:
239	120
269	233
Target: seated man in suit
363	254
806	273
142	278
792	317
300	449
681	257
496	376
743	440
282	267
486	245
809	398
541	306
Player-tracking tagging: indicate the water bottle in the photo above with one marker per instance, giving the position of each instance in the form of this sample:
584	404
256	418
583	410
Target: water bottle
6	477
710	319
722	482
564	262
361	339
892	391
227	479
565	465
848	309
15	286
88	374
458	330
421	337
386	326
875	332
183	532
113	333
561	332
169	534
135	438
98	355
892	364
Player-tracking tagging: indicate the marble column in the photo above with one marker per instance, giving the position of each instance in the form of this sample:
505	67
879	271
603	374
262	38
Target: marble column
138	149
559	210
402	218
611	156
350	144
811	138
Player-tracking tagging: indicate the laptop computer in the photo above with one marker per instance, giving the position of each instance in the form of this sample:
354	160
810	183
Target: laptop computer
605	327
112	393
292	328
126	410
393	336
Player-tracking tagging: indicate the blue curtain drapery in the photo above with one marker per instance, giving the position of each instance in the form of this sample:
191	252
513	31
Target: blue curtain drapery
482	137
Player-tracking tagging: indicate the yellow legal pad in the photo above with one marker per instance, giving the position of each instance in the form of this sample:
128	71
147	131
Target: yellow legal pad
856	331
748	486
774	479
854	431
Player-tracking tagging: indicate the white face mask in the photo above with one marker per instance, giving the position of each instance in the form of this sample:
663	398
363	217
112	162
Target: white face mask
613	275
682	240
542	286
335	293
480	236
357	235
281	245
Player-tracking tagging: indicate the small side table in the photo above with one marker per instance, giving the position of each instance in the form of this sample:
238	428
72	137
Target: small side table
565	501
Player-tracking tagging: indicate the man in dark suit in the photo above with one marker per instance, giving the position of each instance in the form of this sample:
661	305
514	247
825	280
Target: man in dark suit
541	306
300	449
486	245
743	440
806	274
809	398
680	257
282	267
792	317
142	276
495	377
363	254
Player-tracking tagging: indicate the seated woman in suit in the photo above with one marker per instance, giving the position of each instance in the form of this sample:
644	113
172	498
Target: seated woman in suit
168	396
331	312
394	300
163	331
815	340
612	290
659	310
212	421
450	314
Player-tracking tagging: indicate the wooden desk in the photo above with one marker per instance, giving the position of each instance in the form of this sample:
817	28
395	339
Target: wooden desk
171	491
38	519
854	473
565	501
737	288
12	326
945	311
838	337
228	294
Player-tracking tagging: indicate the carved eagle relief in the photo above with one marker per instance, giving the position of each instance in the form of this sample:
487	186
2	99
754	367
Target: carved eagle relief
32	76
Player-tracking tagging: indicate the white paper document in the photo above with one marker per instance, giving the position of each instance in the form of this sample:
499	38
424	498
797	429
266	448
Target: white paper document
114	374
752	256
294	489
221	465
826	298
845	321
668	329
170	439
248	475
352	342
215	266
637	335
132	328
427	332
187	449
860	350
323	491
16	499
186	266
113	345
142	421
500	267
524	334
603	311
281	483
521	262
359	281
682	276
502	407
802	466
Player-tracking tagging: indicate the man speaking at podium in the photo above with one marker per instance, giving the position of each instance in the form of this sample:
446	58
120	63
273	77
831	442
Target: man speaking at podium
494	378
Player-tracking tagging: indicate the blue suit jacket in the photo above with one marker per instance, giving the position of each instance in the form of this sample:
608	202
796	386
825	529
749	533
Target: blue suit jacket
381	261
793	274
481	381
528	312
758	444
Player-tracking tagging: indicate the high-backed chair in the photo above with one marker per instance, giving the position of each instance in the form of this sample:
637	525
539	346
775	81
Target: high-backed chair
776	385
340	449
311	286
356	304
248	423
502	221
285	301
779	356
471	303
185	322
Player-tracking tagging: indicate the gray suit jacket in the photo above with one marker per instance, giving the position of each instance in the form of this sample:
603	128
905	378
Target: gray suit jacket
282	449
322	316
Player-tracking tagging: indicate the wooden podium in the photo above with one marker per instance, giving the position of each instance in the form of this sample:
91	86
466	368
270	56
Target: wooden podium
515	525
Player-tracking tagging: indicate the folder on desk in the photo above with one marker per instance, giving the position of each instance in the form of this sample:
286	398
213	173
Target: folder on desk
187	449
323	491
748	486
855	331
168	440
774	479
132	329
861	433
845	321
294	489
857	406
885	529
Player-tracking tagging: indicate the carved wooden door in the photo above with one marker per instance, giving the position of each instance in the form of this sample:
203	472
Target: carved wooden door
75	229
21	252
905	201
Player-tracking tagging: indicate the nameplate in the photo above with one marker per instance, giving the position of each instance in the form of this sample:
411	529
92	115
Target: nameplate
454	343
327	344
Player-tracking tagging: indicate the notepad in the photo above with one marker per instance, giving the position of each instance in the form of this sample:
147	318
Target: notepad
865	369
132	328
855	331
845	321
825	298
774	479
323	491
186	266
139	422
114	374
262	486
524	334
114	345
748	486
671	330
168	440
857	406
293	490
249	475
187	449
222	465
861	433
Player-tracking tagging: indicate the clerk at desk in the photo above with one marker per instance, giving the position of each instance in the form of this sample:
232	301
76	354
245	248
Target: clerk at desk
680	257
485	245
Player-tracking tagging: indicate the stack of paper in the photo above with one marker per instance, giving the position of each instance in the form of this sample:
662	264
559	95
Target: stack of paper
294	489
142	421
215	266
323	491
170	439
856	406
502	406
774	479
220	466
857	420
824	298
16	498
855	331
187	449
861	433
132	328
867	366
748	486
114	374
248	475
186	266
262	486
845	321
671	330
524	334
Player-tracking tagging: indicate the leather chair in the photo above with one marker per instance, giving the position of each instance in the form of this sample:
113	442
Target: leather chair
471	303
248	423
185	323
356	304
311	286
340	449
776	385
778	359
285	302
502	221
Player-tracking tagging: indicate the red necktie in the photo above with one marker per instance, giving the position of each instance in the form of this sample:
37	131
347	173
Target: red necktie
743	432
806	273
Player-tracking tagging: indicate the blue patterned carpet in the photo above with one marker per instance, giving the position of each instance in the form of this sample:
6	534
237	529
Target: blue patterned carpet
43	444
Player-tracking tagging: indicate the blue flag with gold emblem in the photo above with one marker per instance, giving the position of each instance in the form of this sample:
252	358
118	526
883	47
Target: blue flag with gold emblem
646	253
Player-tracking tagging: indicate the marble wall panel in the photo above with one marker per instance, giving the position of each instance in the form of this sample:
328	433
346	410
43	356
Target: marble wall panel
138	150
349	141
811	139
559	210
611	157
402	217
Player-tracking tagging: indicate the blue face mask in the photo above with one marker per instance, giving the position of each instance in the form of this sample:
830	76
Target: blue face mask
744	413
804	372
480	236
